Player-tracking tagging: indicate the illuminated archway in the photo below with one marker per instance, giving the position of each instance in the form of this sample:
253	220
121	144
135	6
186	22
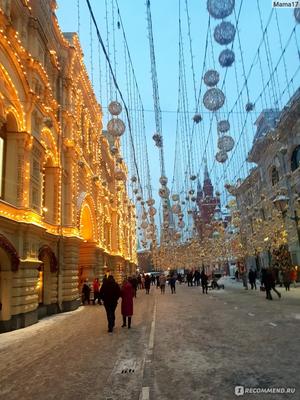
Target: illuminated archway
87	229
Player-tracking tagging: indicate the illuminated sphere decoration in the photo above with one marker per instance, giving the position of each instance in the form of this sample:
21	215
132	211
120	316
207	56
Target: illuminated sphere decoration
116	127
152	211
119	174
211	78
221	156
164	192
150	202
163	180
297	14
115	108
220	9
175	197
224	33
213	99
226	58
225	143
223	126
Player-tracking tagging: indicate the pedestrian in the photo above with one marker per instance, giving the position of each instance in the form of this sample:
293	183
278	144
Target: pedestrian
152	279
127	294
252	278
179	278
280	277
134	283
236	274
204	280
270	284
172	282
197	277
110	293
86	290
244	279
157	281
286	279
139	279
293	276
96	288
189	278
162	283
147	283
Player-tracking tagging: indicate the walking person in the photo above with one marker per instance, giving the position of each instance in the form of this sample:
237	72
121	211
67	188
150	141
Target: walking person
293	276
270	284
157	282
127	294
252	279
244	279
110	293
96	288
204	280
172	282
147	283
162	283
286	279
197	277
86	290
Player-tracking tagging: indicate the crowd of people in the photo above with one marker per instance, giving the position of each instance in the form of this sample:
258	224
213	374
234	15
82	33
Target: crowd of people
269	278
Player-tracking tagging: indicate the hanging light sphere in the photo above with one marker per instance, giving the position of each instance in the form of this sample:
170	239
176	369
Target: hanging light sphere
115	108
193	199
193	177
166	225
163	180
164	192
249	107
119	175
175	197
116	127
150	202
224	33
220	9
213	99
221	156
176	209
226	58
138	198
297	14
191	191
181	224
223	126
211	78
197	118
225	143
152	211
144	224
133	179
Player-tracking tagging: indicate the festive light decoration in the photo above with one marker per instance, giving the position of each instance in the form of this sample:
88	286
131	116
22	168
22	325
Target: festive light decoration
163	180
226	58
116	127
115	108
220	9
223	126
249	107
225	143
221	156
224	33
213	99
197	118
211	78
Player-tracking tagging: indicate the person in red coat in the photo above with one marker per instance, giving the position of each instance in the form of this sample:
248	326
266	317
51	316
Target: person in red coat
127	294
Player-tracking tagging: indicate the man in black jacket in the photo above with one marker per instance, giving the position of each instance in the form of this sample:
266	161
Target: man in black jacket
110	293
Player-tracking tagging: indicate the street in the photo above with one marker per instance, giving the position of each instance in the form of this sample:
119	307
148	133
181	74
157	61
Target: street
183	346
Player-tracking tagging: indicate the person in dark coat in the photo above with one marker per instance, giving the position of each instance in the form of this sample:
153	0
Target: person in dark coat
110	293
172	282
147	283
134	283
96	288
252	278
197	277
286	279
204	280
269	279
86	290
127	293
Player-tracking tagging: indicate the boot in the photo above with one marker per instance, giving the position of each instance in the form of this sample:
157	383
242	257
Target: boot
129	322
124	321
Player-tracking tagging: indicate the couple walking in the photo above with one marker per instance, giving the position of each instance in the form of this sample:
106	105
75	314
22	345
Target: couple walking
110	293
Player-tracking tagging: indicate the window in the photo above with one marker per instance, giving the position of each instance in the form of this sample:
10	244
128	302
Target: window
274	176
295	159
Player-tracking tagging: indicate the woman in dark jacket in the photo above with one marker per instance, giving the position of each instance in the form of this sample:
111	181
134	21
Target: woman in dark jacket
127	293
147	283
110	293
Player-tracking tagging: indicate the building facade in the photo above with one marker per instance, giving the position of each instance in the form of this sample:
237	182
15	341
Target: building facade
65	215
265	231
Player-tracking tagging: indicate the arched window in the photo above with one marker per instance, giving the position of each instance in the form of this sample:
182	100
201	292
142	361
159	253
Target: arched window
295	159
274	176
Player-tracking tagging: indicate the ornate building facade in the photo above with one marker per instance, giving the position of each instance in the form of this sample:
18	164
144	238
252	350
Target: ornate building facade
65	215
275	177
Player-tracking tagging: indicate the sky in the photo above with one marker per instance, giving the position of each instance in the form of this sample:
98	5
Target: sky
165	20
